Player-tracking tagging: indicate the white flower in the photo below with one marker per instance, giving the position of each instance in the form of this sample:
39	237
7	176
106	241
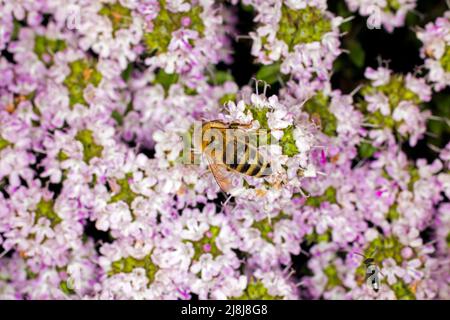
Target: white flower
378	101
279	118
303	140
237	112
379	76
391	270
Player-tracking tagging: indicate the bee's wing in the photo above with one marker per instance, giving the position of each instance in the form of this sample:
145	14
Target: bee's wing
220	174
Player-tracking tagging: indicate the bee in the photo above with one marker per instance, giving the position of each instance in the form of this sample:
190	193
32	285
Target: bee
372	270
231	148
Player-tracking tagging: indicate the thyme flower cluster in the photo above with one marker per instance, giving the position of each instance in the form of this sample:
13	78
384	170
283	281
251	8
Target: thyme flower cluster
97	203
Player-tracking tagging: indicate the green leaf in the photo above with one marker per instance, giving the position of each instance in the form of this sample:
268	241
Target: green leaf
3	143
119	15
357	54
126	74
116	115
328	196
125	194
90	148
46	209
166	22
366	150
287	142
220	77
269	73
166	79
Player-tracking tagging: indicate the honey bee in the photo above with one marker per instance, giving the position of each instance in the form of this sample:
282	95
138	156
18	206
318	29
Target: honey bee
231	148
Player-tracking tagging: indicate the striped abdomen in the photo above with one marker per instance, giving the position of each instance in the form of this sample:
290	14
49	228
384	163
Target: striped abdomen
241	156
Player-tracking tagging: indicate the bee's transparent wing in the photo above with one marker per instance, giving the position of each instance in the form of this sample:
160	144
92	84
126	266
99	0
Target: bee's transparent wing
220	174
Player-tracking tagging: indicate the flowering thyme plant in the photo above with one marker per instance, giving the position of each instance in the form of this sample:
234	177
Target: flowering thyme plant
97	99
